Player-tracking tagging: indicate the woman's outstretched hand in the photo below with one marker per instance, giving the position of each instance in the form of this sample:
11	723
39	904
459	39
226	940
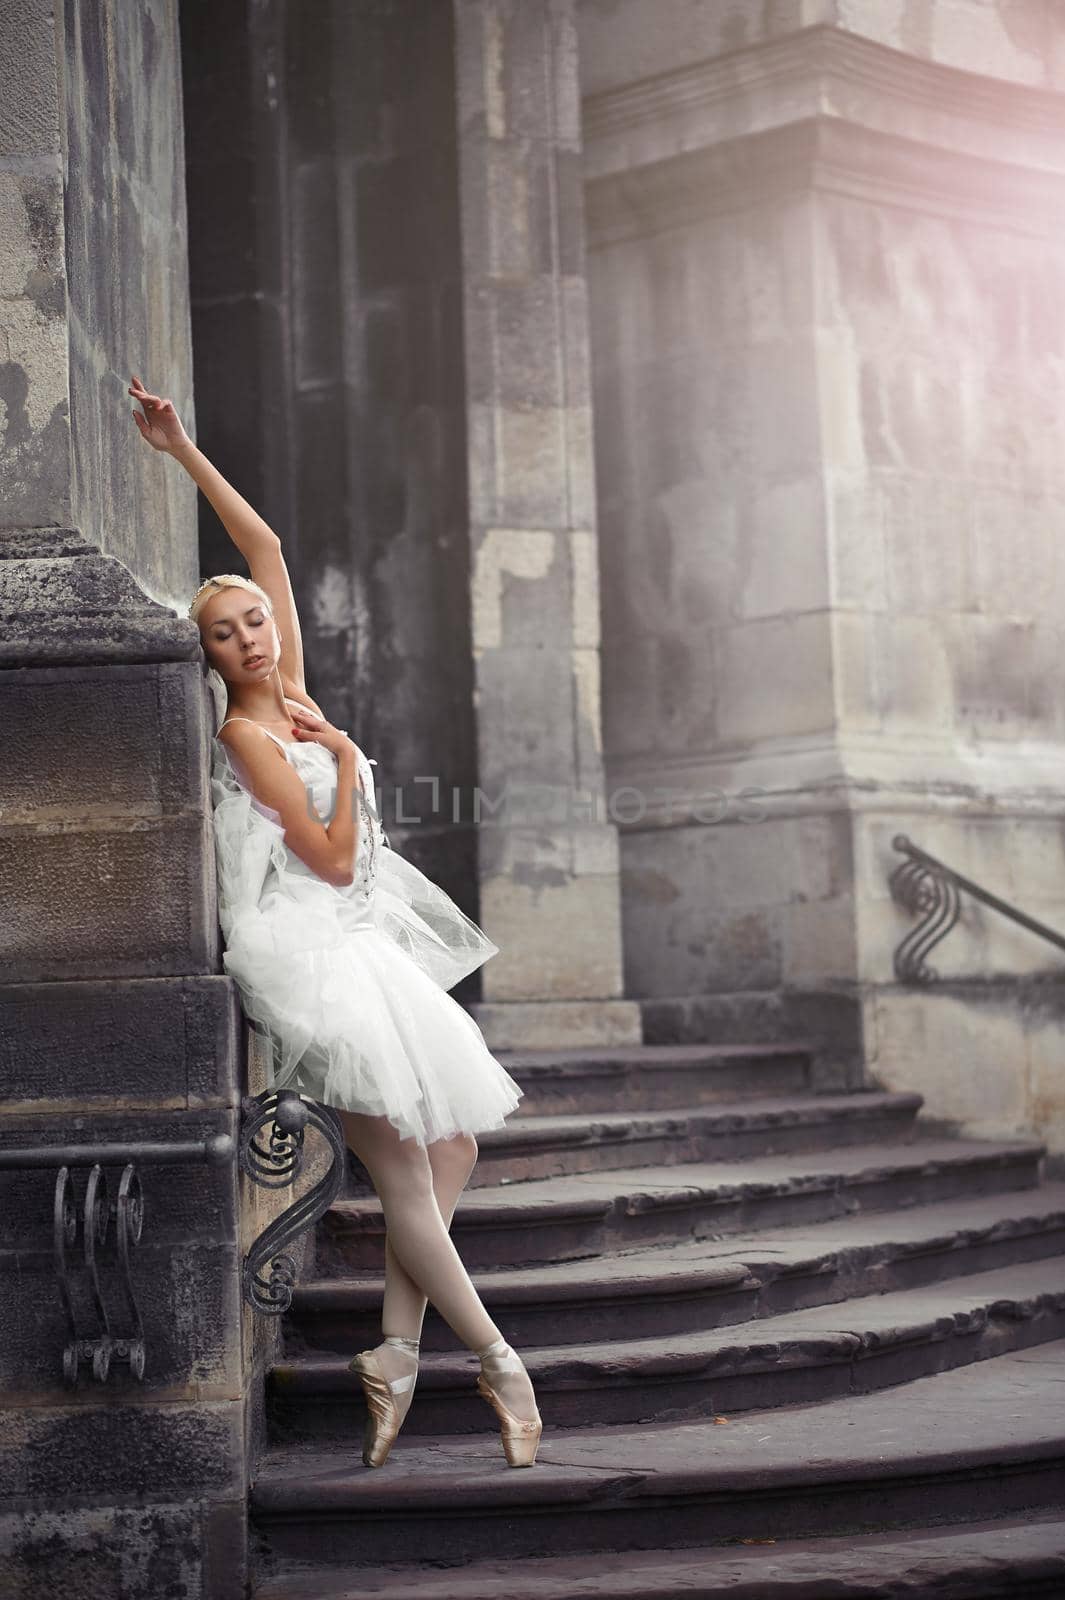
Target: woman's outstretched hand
160	423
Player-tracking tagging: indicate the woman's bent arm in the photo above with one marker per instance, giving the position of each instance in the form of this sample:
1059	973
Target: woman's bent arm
328	849
343	829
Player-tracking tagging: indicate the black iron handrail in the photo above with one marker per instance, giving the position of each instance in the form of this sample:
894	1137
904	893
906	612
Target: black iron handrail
216	1151
922	884
275	1164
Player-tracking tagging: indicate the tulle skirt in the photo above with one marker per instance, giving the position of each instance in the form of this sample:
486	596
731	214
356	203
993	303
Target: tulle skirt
350	985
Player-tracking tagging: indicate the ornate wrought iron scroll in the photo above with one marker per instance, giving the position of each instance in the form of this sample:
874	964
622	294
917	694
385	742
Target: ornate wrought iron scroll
118	1335
102	1348
274	1165
928	888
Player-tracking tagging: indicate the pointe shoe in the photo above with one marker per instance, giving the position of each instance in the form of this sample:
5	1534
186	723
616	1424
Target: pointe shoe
521	1437
383	1420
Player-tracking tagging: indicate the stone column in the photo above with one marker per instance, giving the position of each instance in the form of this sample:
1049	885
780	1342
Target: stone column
548	849
829	397
115	1025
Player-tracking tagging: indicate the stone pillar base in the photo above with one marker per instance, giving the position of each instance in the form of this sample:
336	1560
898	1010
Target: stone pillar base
984	1051
827	1020
557	1024
63	602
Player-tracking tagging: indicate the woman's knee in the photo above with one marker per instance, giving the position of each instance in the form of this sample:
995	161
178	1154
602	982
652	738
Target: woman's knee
456	1156
389	1159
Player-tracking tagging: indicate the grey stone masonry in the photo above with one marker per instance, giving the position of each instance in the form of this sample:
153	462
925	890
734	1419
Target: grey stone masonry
116	1027
548	849
93	279
828	400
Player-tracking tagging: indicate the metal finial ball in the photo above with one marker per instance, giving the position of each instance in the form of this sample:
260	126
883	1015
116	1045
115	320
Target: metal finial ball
219	1149
291	1114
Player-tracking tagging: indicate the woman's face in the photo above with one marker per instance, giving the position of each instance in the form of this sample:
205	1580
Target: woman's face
240	638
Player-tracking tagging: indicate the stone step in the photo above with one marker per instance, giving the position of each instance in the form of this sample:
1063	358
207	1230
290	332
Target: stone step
710	1283
654	1077
566	1302
554	1219
553	1146
963	1445
802	1356
1000	1560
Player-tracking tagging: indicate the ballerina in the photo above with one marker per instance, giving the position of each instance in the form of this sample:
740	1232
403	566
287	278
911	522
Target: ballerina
343	953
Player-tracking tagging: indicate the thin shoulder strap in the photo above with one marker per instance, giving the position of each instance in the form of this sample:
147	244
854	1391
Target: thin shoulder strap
255	724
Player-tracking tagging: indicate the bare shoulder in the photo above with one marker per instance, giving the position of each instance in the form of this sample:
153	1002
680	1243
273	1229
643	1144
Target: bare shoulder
240	732
263	768
294	692
251	745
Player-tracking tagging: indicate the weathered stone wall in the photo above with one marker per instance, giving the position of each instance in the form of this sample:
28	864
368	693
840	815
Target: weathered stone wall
944	341
114	1023
828	397
943	351
34	410
715	594
548	851
1019	41
93	244
127	281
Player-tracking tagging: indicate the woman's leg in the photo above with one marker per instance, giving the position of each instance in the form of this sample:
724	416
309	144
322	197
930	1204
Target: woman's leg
403	1306
403	1178
402	1175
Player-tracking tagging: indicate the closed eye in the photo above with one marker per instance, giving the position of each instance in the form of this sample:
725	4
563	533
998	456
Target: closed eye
257	623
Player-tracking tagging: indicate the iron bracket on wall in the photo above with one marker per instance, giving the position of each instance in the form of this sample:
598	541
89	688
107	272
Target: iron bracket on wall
100	1350
928	888
274	1165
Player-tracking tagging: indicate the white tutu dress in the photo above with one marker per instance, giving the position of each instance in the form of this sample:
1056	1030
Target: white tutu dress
350	984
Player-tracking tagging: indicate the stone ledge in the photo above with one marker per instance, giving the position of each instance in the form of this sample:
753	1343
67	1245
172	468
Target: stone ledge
63	602
827	155
714	1283
1022	1558
589	1214
796	1357
812	71
974	1441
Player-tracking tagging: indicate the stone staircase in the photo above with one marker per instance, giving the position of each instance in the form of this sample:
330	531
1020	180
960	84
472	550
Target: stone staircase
785	1344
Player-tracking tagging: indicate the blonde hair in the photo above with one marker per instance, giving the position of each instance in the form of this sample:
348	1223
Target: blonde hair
225	580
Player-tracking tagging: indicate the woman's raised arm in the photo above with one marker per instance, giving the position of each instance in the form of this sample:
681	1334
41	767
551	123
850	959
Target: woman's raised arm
257	542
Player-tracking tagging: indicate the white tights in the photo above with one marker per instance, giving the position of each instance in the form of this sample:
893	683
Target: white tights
419	1187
